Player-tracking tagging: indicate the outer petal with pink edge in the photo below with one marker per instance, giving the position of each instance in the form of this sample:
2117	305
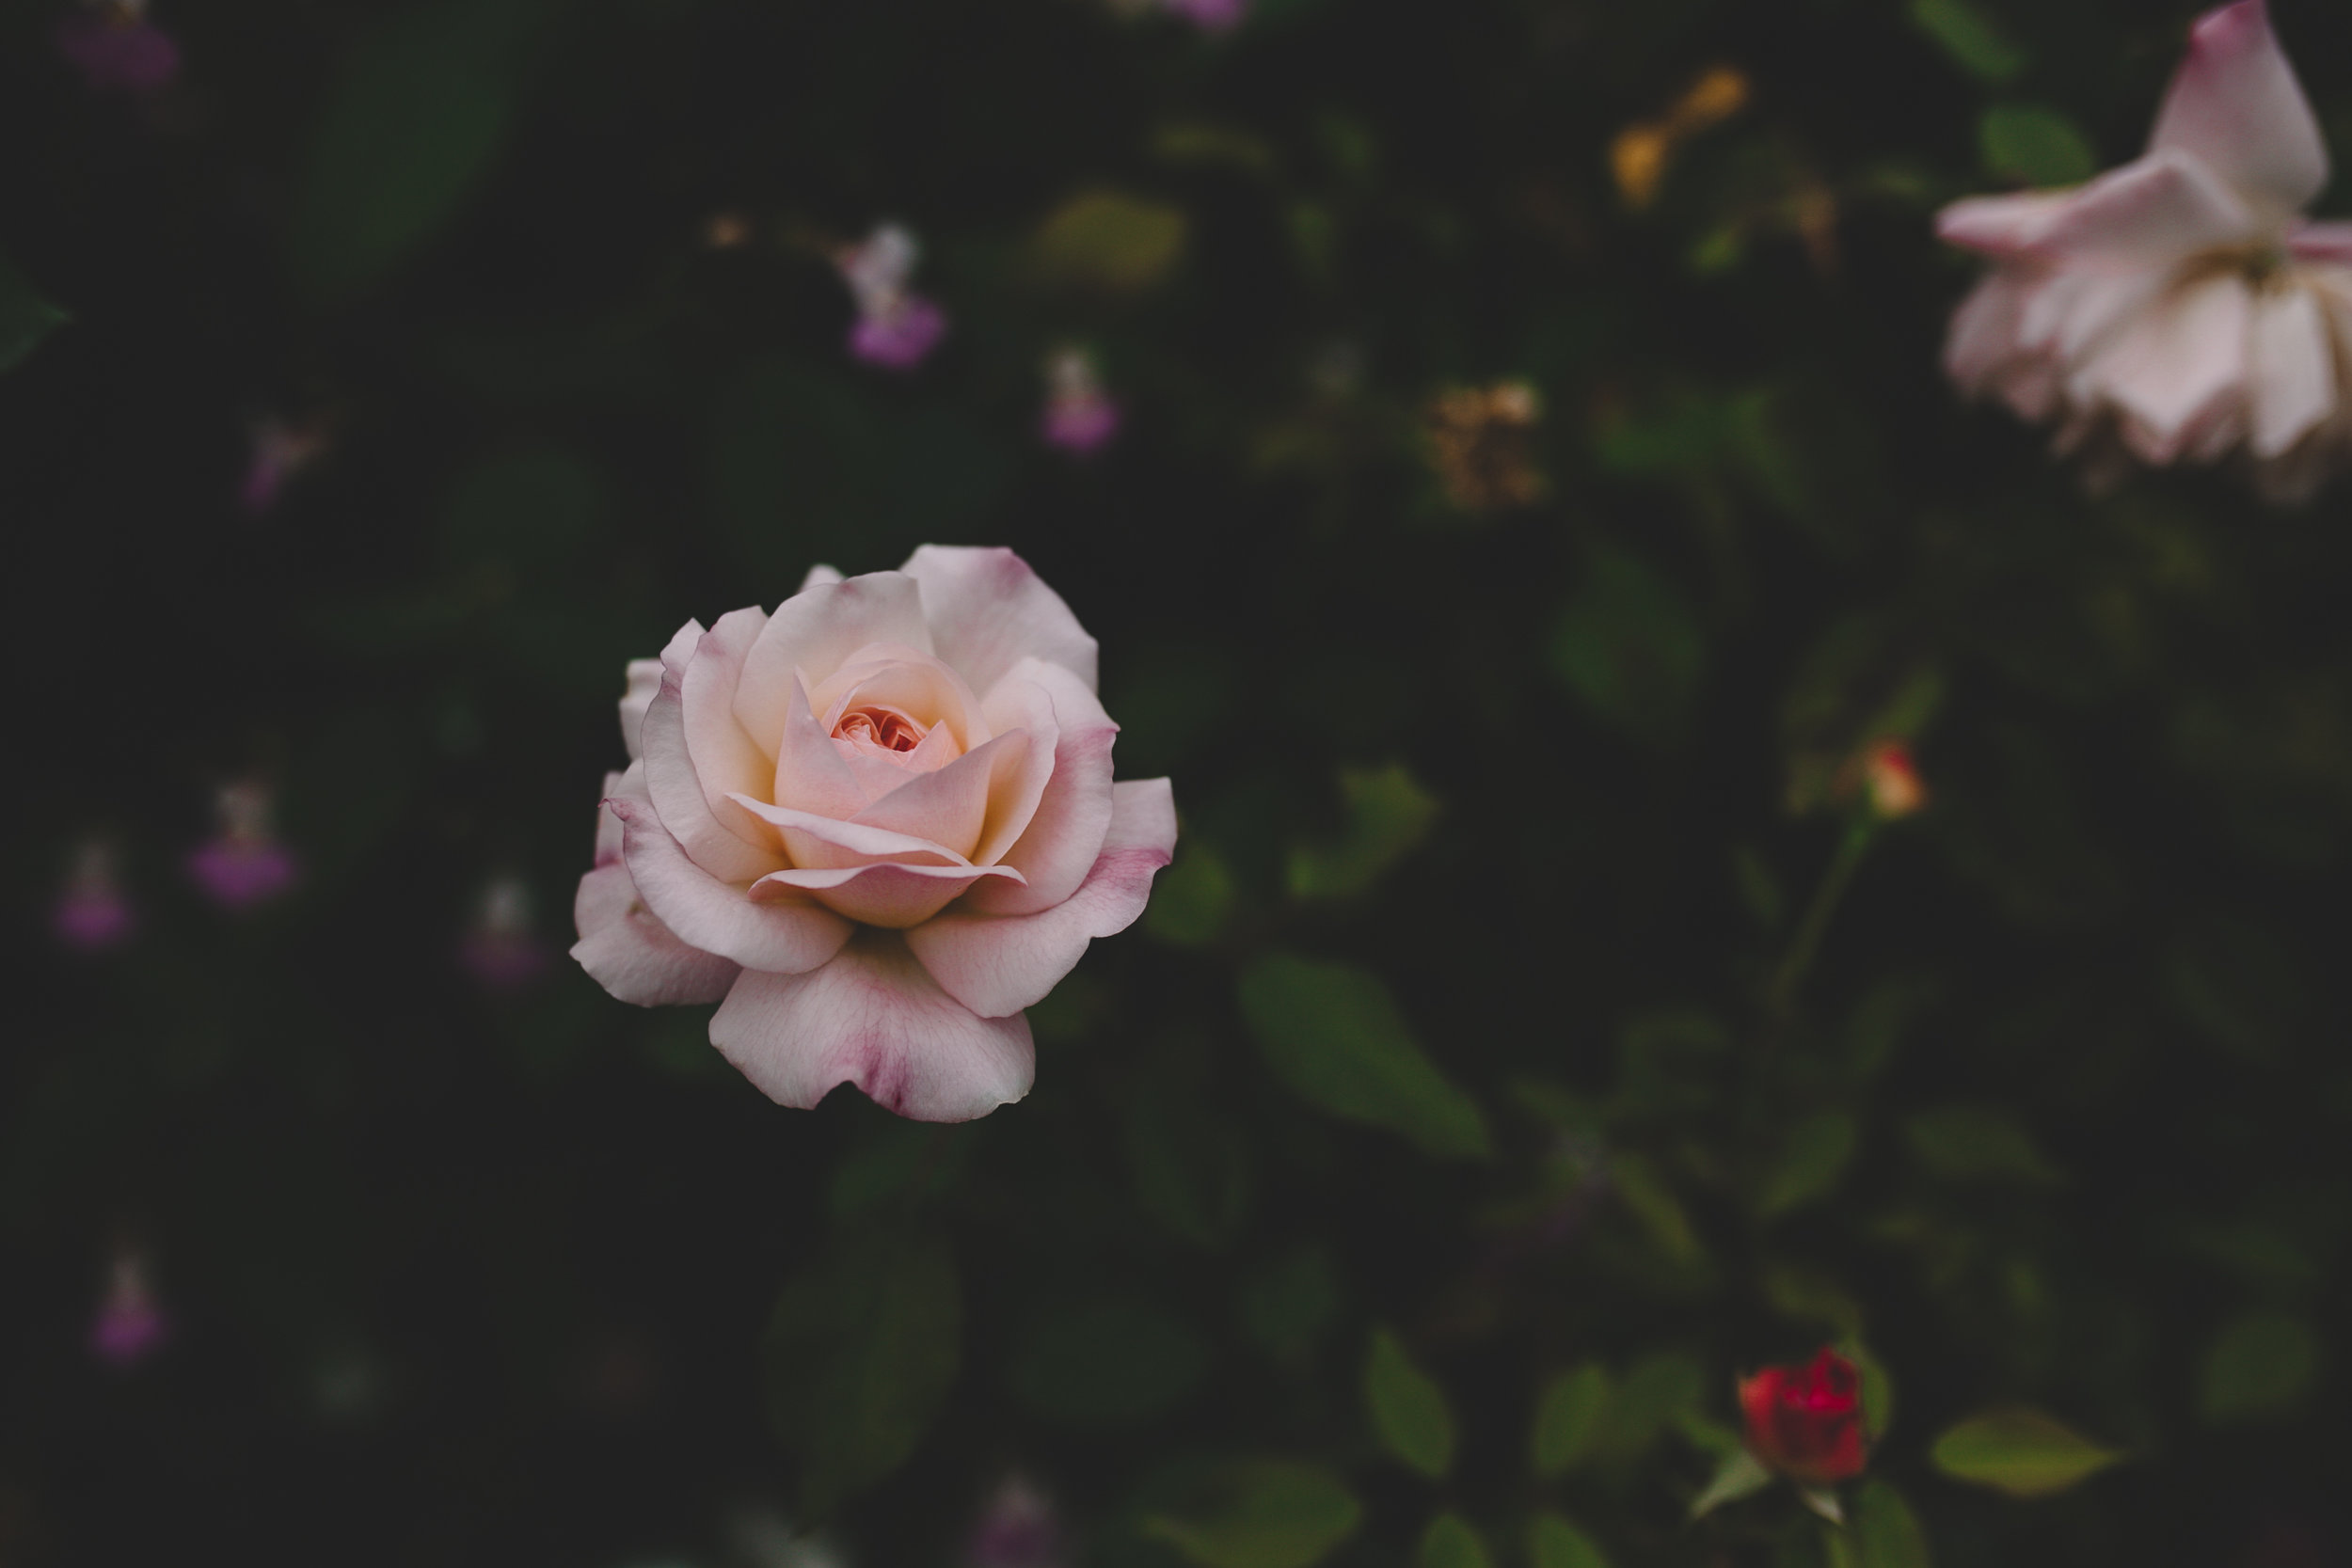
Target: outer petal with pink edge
626	949
987	609
787	937
998	964
2151	212
2234	106
874	1018
680	790
891	896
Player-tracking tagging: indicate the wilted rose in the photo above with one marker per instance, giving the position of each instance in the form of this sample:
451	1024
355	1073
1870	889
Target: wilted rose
2179	306
879	823
1806	1423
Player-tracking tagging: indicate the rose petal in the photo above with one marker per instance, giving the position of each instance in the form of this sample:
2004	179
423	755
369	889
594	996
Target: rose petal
814	632
626	949
1983	337
725	759
2177	371
952	805
875	1019
2324	243
825	842
716	916
2293	379
888	894
819	576
812	774
2235	106
998	964
608	825
645	679
987	609
2164	207
674	787
1062	837
893	675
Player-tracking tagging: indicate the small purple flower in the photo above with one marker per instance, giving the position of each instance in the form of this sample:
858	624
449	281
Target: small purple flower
115	48
131	1325
1079	416
281	452
1018	1528
1215	16
91	913
896	328
503	951
244	866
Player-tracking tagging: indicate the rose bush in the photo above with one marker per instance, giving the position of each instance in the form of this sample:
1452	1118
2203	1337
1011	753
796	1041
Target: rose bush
1806	1423
875	826
2179	306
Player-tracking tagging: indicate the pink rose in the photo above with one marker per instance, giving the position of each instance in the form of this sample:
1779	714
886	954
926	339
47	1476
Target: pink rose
877	823
2179	305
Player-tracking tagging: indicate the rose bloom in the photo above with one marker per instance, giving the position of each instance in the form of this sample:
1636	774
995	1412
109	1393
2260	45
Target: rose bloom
877	823
2179	306
1806	1423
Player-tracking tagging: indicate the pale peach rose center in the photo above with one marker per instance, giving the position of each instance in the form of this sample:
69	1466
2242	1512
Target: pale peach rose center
874	730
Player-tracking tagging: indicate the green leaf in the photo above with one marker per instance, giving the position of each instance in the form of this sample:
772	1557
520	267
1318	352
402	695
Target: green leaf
1812	1158
1974	41
1288	1307
1739	1474
2022	1452
1553	1543
27	316
1109	242
1387	814
412	126
1408	1409
1979	1143
859	1356
1192	899
2260	1365
1884	1532
1332	1033
1657	1391
1655	1205
1630	645
1259	1513
2038	145
1569	1419
1109	1362
1451	1542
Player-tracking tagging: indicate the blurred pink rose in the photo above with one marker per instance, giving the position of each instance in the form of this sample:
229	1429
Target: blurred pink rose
91	913
130	1325
879	823
2180	304
115	48
244	866
896	327
1079	416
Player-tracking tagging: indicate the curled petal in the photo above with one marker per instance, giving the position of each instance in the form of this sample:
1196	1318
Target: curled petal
724	758
819	575
873	1018
953	805
813	633
2235	106
626	949
674	787
998	964
1062	836
886	893
2155	211
787	937
827	843
2292	377
645	679
608	825
812	774
987	609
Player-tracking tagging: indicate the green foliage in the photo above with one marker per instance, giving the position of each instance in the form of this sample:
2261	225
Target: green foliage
1570	1415
26	317
2260	1365
2022	1452
413	127
1630	645
1107	1362
1974	41
1554	1542
1258	1513
1332	1033
1451	1542
2034	144
1191	900
1813	1156
1386	814
1740	1474
1884	1532
1109	241
859	1355
1407	1408
1979	1143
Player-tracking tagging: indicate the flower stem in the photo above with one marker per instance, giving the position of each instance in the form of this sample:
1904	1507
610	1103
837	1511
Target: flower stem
1807	942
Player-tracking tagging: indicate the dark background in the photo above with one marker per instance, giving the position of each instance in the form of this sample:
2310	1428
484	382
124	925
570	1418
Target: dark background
460	1276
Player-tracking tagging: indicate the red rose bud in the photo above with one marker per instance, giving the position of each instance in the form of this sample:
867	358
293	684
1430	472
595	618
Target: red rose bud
1806	1423
1892	780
